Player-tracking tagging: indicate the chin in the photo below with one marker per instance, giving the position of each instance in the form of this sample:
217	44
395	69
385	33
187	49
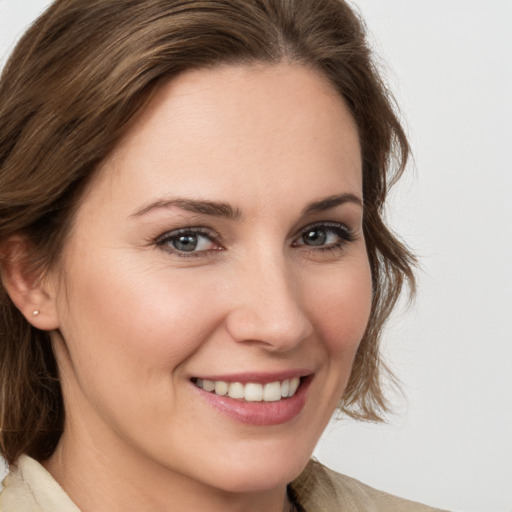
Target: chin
258	472
260	480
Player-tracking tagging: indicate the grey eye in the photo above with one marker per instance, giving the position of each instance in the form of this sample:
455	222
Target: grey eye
315	237
325	236
185	243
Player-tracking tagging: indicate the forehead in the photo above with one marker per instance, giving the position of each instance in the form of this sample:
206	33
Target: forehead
238	132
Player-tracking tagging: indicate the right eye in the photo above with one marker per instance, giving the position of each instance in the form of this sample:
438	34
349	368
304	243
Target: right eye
188	242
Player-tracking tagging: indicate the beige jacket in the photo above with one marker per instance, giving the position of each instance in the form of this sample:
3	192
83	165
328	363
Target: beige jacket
32	489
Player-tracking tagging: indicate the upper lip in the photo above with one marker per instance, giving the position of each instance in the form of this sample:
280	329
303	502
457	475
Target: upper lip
258	377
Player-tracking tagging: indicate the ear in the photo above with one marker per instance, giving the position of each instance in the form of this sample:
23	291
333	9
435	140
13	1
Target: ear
27	288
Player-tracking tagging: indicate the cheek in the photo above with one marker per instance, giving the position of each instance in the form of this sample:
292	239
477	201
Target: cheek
127	334
137	323
342	310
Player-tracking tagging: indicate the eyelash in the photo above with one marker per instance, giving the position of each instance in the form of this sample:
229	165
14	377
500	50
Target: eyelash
166	240
344	234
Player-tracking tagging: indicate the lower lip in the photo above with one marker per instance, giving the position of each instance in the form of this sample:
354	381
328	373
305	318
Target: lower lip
260	413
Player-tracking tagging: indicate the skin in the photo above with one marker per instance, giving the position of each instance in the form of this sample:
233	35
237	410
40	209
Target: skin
136	320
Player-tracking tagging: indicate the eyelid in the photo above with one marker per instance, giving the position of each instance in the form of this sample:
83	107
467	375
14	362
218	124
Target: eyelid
336	227
197	230
162	241
344	233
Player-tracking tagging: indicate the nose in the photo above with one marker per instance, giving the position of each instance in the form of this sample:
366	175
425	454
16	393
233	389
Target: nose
268	307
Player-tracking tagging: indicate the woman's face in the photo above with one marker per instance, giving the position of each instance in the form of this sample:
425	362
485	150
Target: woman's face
220	245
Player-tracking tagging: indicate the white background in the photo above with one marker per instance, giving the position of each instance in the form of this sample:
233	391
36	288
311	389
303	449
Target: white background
449	62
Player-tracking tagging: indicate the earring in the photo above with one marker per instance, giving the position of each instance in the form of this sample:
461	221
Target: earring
36	312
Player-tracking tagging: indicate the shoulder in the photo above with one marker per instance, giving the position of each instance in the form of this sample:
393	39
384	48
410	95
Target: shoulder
30	488
319	489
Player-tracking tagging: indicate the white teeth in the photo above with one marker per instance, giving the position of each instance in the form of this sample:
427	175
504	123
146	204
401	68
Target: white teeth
285	388
252	391
221	387
294	384
272	392
208	385
236	390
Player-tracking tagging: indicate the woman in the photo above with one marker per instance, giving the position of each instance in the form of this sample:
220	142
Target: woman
195	269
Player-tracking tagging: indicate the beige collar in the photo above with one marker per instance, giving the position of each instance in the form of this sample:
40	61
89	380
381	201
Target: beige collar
30	488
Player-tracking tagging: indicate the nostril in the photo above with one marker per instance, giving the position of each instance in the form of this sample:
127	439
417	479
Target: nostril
275	329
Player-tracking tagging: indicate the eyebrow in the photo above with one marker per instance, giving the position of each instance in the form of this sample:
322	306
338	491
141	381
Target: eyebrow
331	202
213	208
225	210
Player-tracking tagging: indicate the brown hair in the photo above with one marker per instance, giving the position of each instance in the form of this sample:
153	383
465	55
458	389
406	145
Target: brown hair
67	94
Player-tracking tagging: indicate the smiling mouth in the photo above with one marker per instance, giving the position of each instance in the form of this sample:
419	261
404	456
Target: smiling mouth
251	391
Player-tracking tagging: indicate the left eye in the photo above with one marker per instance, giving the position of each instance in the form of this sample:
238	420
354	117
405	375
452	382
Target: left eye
184	241
329	235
